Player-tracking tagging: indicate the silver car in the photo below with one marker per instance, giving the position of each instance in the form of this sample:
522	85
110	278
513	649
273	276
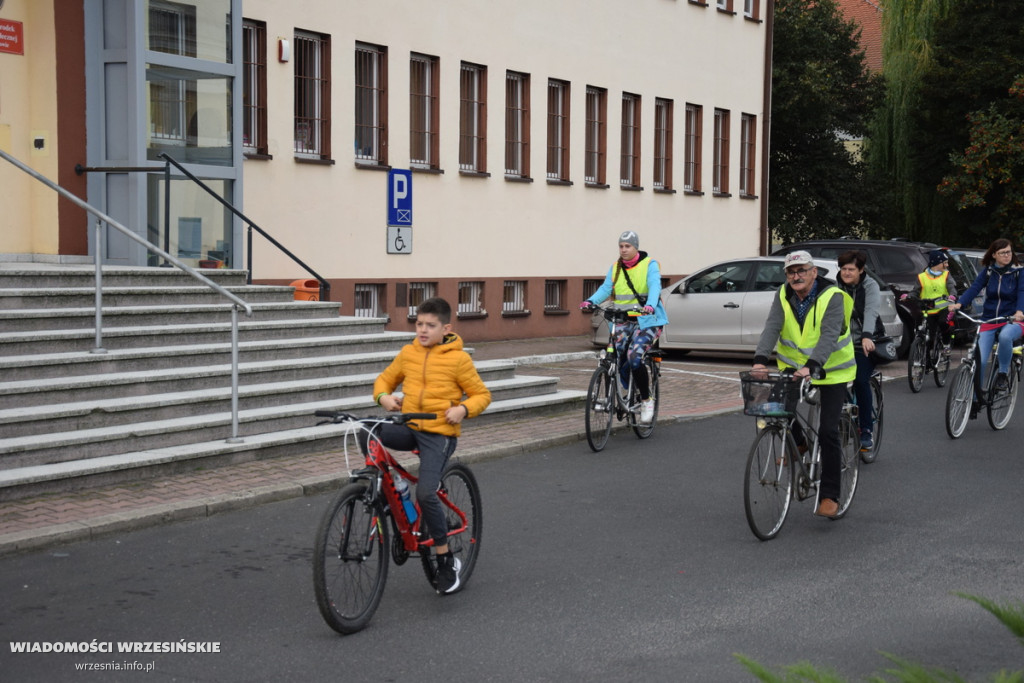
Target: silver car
724	307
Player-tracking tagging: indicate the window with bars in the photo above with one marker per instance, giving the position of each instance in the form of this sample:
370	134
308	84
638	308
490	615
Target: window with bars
418	293
312	60
720	163
369	300
554	296
473	118
590	286
596	137
424	111
254	87
748	143
513	299
692	151
172	28
629	174
471	299
558	130
371	101
517	124
663	144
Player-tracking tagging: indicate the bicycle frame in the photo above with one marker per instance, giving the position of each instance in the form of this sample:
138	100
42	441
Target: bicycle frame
614	359
973	358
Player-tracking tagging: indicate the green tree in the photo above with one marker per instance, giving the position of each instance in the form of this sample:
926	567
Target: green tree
989	172
822	95
942	61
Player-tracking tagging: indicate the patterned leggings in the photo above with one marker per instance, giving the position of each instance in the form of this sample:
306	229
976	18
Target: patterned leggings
630	340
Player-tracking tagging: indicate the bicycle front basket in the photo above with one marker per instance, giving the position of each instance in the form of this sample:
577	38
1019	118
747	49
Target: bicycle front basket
771	395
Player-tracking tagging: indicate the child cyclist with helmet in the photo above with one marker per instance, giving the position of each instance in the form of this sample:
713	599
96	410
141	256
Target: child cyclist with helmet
634	279
437	376
934	283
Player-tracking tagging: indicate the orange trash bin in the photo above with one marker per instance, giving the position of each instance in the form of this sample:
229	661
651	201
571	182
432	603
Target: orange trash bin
306	290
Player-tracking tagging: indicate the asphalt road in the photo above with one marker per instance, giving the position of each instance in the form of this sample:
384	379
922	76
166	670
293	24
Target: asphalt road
632	564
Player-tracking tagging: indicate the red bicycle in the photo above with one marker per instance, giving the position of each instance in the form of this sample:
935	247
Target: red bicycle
354	542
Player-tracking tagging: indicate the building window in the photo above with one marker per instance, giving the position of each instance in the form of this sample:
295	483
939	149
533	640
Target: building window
424	111
514	298
720	163
662	144
748	141
517	125
254	87
752	9
590	287
596	137
371	100
473	118
692	151
172	28
418	293
471	299
312	95
725	5
368	300
629	175
558	130
554	296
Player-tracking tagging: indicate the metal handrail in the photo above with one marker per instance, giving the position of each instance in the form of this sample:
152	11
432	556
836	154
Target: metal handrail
104	218
325	286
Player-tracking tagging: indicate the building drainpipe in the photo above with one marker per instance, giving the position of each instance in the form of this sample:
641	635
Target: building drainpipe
766	125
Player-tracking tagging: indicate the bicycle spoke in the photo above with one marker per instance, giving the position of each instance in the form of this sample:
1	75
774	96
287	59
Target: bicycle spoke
958	401
769	482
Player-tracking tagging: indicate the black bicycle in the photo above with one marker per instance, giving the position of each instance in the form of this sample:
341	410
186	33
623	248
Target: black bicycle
608	399
928	354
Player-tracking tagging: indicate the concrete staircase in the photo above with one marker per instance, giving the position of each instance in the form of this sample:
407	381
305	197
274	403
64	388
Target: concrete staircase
159	399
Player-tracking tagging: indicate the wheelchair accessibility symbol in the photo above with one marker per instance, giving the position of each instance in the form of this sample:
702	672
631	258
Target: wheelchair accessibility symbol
399	240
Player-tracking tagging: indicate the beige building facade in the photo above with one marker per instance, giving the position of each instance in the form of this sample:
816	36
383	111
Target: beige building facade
489	153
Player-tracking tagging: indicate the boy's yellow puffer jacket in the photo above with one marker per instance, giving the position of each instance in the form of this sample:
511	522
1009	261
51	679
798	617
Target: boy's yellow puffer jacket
433	380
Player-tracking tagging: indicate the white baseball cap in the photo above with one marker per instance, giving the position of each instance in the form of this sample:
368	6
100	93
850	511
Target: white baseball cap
798	258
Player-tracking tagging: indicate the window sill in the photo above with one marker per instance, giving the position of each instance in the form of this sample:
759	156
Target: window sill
597	186
553	181
698	3
556	311
257	156
730	12
474	174
693	193
631	188
748	196
515	314
664	190
428	171
315	162
518	179
479	315
372	167
754	20
725	195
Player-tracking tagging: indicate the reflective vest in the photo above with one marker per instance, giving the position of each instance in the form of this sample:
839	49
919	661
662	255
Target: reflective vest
796	343
624	297
933	287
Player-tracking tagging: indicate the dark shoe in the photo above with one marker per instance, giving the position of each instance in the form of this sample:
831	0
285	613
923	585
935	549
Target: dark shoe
448	567
1002	383
827	508
975	408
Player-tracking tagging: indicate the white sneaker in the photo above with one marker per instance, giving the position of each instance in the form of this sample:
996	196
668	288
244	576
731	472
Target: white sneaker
647	411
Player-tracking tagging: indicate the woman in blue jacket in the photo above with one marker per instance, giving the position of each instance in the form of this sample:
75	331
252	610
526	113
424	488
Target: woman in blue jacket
1000	277
634	279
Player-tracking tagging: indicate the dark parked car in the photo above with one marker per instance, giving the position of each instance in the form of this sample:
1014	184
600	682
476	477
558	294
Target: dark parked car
898	263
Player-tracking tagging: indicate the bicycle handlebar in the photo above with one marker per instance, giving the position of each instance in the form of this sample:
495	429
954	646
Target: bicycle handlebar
992	321
338	416
612	313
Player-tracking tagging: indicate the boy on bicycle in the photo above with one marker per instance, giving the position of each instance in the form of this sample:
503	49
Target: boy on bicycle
437	376
934	283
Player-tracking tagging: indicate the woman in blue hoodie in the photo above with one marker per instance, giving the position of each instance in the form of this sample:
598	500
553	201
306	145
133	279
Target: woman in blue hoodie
1001	280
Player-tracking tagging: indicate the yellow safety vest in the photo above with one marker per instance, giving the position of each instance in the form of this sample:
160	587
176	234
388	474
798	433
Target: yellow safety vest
933	287
624	296
796	343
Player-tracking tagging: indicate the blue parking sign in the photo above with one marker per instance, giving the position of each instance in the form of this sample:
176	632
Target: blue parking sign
400	198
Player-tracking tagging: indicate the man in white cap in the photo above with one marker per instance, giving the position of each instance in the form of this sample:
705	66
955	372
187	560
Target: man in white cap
808	327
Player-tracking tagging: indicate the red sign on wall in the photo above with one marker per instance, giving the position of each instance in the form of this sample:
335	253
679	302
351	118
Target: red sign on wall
12	37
